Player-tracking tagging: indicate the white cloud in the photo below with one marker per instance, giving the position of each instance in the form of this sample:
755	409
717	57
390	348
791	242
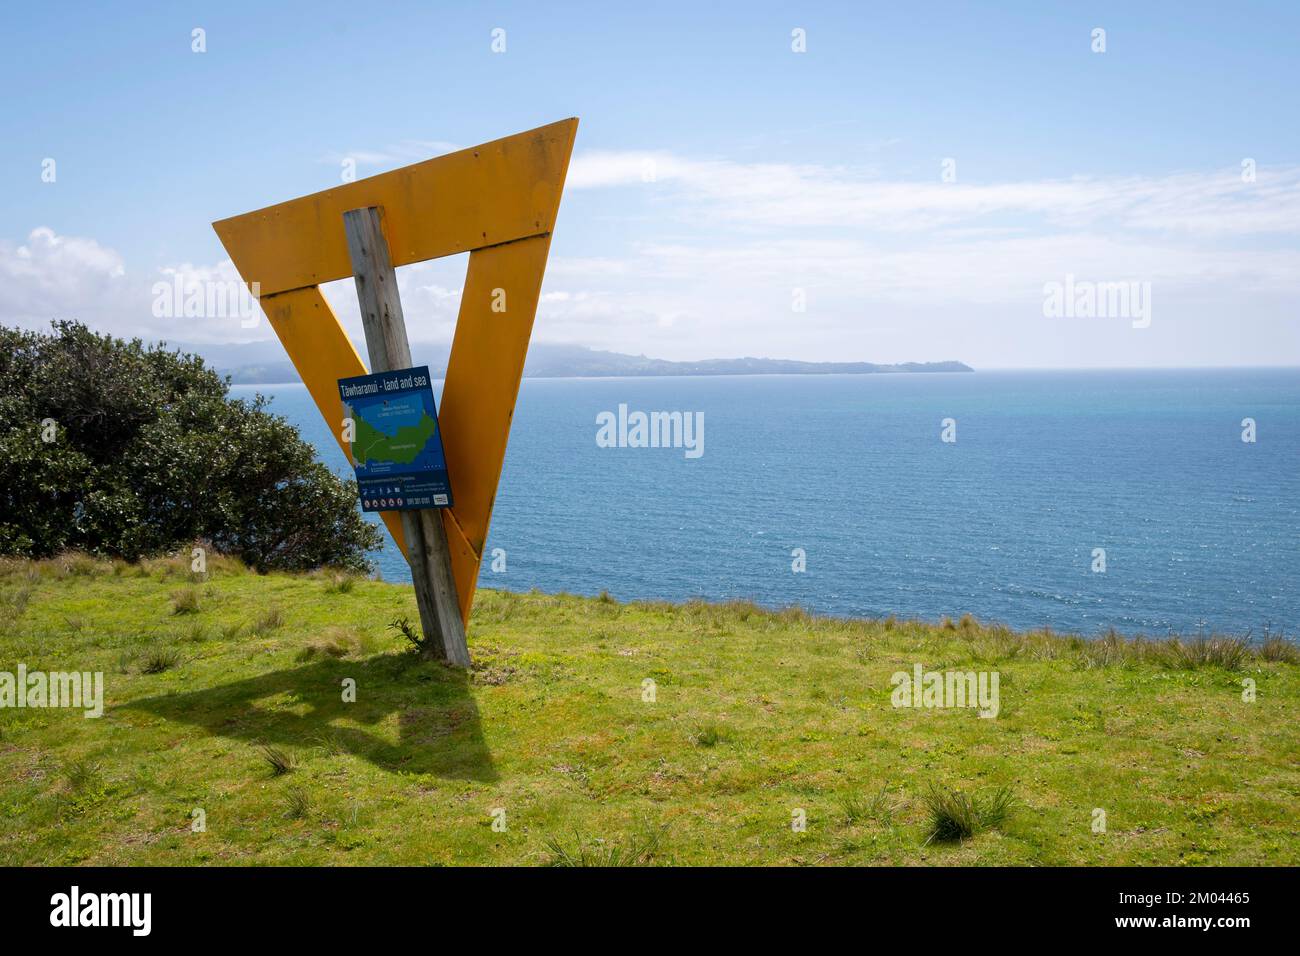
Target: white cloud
52	276
890	270
779	195
398	154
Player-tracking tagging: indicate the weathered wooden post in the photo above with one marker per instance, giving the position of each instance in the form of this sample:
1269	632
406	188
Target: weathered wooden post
386	341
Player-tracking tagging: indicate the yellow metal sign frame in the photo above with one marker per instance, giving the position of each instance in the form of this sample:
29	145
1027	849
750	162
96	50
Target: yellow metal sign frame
498	202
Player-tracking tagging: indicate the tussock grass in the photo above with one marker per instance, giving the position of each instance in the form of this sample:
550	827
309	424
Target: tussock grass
158	660
340	582
880	807
186	601
637	852
13	605
1111	650
955	815
280	761
79	564
1278	650
180	565
335	642
1228	653
297	804
271	619
84	776
709	735
1175	653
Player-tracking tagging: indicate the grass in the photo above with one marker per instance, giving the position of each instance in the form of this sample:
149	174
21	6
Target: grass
709	735
639	851
339	583
879	808
186	601
83	776
269	619
159	660
337	642
955	815
1280	650
297	804
382	758
280	761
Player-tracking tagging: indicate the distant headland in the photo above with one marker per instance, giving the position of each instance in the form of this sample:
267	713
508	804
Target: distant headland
259	363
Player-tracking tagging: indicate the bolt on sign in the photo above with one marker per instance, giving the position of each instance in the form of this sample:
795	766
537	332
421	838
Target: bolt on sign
498	202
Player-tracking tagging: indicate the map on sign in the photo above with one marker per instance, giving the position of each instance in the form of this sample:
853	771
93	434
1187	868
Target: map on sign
395	447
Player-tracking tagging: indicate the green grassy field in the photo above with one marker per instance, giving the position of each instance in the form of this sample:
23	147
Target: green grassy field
226	695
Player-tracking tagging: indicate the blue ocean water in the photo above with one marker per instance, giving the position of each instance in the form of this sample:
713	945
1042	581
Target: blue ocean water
1201	530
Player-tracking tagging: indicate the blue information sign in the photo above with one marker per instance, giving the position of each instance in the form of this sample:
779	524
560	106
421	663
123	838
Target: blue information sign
396	445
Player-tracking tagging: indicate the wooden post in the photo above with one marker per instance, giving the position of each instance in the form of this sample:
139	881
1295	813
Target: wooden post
426	538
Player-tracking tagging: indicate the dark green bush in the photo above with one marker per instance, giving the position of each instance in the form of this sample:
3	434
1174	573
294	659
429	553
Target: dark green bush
149	454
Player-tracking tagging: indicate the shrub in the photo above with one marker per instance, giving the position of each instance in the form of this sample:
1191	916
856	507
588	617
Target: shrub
412	634
149	453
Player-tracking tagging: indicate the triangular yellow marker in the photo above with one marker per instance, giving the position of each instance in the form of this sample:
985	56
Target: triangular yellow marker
498	202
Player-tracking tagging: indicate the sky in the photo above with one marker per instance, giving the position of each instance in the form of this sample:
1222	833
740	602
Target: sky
917	183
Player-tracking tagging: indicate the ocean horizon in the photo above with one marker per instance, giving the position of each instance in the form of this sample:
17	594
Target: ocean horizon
1080	500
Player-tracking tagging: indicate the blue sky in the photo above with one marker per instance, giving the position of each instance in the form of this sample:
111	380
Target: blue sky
778	176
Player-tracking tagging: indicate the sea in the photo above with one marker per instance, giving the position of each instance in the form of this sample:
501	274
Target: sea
1149	502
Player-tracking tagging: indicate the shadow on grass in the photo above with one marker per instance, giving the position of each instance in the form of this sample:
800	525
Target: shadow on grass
438	725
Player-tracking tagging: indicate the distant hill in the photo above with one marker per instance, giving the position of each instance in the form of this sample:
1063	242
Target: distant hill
260	363
556	361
